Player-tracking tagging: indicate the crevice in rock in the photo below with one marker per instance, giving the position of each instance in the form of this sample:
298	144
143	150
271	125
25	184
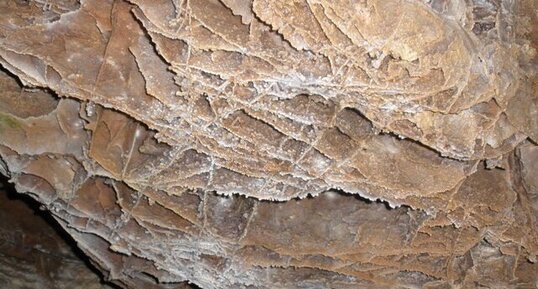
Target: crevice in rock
32	237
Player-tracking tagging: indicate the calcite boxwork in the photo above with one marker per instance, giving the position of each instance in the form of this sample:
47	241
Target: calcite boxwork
280	144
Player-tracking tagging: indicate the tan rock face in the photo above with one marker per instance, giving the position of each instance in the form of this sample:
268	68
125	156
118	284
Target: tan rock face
280	144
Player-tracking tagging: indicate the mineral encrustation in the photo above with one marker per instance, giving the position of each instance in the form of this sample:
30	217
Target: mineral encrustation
280	143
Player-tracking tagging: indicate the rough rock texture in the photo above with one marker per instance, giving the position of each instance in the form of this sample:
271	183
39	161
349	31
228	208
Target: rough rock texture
280	144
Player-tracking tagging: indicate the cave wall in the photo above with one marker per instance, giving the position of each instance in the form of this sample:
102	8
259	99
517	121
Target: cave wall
280	144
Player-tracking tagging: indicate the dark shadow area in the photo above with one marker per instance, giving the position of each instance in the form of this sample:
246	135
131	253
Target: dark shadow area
366	200
36	214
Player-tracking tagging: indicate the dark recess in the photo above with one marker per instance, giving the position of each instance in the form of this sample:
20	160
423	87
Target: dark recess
13	196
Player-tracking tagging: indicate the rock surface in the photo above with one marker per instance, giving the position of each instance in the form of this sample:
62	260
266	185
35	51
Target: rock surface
280	144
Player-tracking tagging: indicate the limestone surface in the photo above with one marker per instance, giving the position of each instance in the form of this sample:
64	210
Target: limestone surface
283	143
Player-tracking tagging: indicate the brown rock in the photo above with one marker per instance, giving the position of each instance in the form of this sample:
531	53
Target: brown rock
280	144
